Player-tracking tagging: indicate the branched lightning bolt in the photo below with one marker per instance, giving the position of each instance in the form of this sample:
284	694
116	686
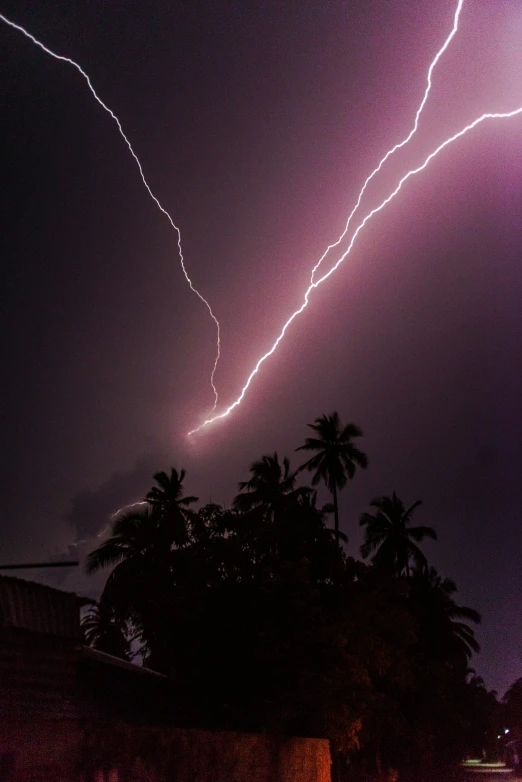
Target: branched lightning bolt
156	201
400	144
334	268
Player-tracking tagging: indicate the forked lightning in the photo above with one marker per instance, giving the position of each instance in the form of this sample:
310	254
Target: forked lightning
156	201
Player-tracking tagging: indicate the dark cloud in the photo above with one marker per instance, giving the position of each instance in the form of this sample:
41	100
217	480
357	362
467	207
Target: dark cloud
92	509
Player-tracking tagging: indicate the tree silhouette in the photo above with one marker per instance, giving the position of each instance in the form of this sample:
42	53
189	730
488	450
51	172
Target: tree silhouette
103	629
268	500
130	549
390	541
443	621
171	508
266	625
270	488
141	545
336	458
513	700
512	709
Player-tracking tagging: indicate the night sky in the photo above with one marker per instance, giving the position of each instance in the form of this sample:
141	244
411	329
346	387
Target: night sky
256	122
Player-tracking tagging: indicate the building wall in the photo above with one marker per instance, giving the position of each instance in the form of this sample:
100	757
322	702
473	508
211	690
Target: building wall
38	676
40	750
71	715
145	754
66	751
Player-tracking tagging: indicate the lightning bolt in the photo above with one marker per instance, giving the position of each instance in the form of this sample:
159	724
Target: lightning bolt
108	526
60	57
314	283
400	144
317	283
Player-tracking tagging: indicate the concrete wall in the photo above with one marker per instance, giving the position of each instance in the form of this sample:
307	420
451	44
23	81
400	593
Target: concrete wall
58	751
39	750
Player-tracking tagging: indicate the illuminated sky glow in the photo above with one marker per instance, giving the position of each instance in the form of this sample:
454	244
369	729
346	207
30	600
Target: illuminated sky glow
317	283
397	146
314	283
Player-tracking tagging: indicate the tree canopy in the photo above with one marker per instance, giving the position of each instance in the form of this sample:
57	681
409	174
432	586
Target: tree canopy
266	624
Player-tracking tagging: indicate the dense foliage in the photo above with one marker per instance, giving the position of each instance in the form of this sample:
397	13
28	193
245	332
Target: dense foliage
266	625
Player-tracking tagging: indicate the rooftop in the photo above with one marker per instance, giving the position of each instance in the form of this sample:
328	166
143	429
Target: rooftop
26	605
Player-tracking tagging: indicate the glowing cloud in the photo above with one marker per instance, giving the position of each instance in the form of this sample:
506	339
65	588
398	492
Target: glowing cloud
334	268
156	201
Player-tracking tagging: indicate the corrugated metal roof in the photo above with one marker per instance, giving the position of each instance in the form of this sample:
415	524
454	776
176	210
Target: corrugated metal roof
27	605
116	662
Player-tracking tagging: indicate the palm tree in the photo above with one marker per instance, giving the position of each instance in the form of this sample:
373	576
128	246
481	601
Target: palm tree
317	517
271	487
171	507
141	544
445	622
463	635
268	500
336	458
132	552
390	540
316	544
103	629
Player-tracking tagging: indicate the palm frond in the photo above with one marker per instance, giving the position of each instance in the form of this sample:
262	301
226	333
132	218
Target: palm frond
187	500
311	444
462	612
420	533
107	554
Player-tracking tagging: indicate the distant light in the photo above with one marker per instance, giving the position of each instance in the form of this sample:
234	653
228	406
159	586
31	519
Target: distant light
480	767
506	730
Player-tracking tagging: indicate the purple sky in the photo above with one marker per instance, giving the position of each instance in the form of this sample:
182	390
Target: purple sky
256	123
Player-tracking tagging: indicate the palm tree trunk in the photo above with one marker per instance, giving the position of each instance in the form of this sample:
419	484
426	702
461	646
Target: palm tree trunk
336	513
